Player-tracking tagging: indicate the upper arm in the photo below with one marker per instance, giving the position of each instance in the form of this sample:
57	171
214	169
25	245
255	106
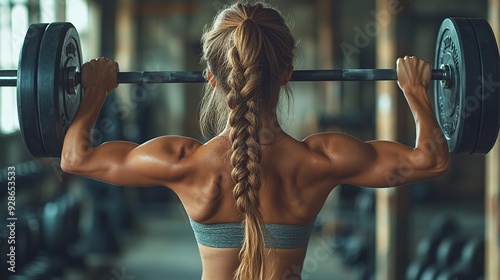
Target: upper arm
373	163
159	161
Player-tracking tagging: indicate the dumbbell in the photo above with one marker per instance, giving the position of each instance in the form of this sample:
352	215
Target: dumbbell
417	268
449	250
470	265
53	230
355	250
441	227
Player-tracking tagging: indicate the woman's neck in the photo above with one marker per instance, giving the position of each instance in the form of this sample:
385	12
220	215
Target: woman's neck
270	131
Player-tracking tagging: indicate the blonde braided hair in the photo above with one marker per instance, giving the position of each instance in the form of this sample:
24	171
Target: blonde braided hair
248	50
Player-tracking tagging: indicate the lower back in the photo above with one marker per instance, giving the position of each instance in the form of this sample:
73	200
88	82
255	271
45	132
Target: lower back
220	263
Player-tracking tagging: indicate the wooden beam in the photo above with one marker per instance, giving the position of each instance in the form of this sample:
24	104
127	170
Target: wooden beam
492	199
162	9
391	210
125	34
125	51
331	91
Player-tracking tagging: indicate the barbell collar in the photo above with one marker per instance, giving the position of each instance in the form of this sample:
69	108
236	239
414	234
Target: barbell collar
447	81
9	77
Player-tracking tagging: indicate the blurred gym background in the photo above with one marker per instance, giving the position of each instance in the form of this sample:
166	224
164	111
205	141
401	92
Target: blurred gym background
75	228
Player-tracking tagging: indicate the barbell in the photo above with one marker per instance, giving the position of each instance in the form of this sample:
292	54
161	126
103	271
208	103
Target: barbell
466	91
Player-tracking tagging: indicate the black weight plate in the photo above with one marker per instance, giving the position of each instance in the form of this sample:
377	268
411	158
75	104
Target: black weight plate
60	48
456	109
490	94
27	103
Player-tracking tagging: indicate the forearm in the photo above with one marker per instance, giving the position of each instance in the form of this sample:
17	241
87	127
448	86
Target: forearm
430	143
78	140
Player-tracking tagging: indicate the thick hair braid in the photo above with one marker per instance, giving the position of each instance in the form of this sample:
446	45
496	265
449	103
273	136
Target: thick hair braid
244	82
248	50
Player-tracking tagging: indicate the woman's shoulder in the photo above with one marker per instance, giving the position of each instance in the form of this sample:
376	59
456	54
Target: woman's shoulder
175	145
328	141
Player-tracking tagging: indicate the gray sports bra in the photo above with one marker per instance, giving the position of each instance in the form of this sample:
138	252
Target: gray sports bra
231	235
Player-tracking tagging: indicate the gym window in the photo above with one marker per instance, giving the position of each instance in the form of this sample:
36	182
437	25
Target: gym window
13	23
15	18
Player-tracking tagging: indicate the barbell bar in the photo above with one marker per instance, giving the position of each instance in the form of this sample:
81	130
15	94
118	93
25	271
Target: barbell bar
9	77
466	94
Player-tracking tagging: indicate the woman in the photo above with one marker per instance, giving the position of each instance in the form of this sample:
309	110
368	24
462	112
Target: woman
252	192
